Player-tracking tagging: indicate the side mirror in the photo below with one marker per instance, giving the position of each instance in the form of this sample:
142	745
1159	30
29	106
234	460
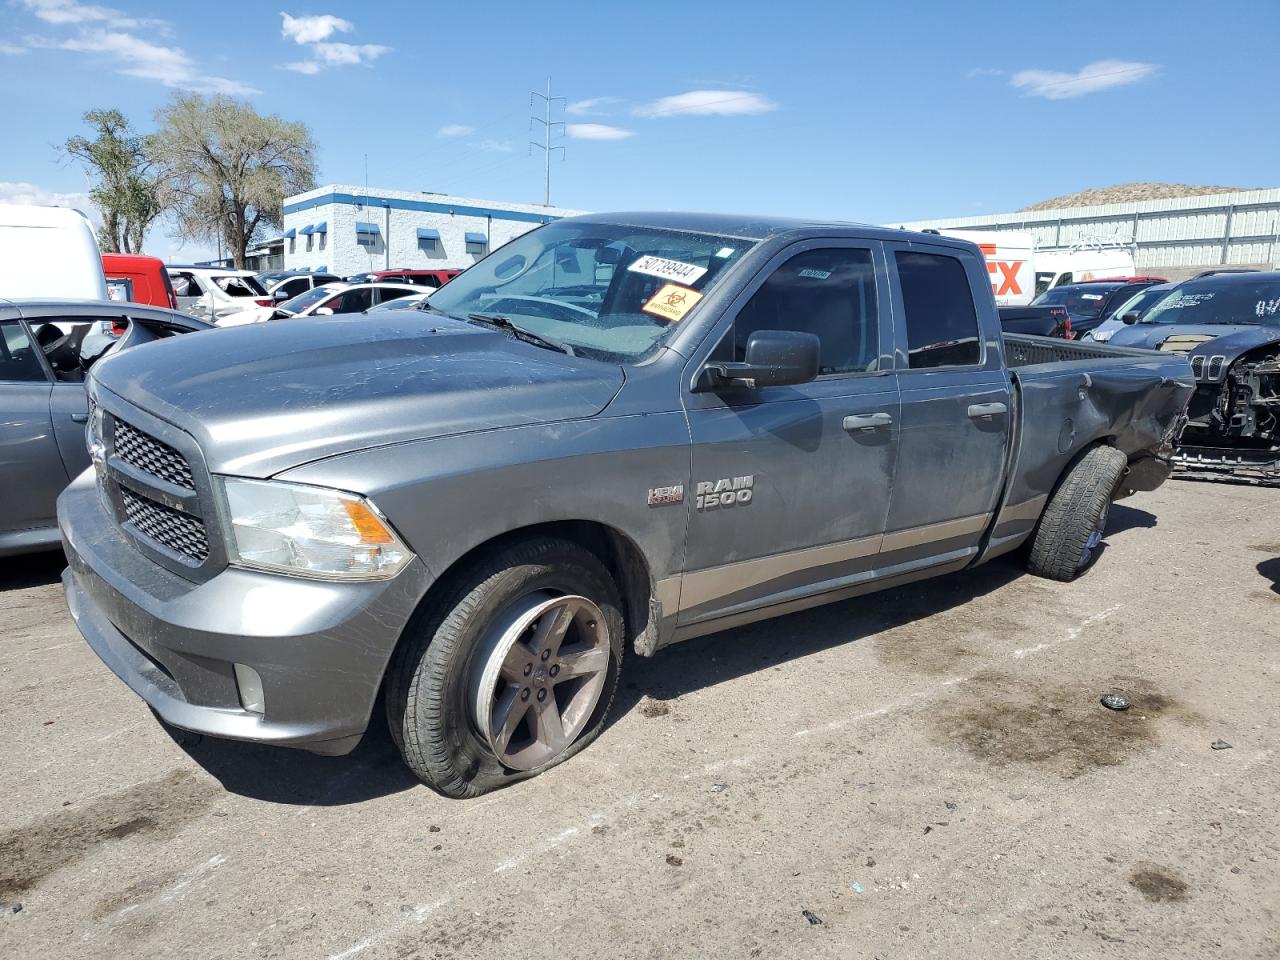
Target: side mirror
774	358
280	296
1129	318
324	312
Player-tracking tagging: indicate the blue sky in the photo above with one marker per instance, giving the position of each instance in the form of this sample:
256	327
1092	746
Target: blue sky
876	112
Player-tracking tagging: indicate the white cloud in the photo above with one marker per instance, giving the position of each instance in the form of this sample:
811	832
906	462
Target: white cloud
1091	78
148	61
11	49
706	102
592	105
347	54
62	12
495	146
313	29
597	131
28	193
313	32
454	130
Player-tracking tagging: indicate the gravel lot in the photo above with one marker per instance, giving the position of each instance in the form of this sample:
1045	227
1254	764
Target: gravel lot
927	772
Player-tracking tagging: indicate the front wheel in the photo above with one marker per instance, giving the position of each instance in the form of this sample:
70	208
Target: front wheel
513	674
1071	528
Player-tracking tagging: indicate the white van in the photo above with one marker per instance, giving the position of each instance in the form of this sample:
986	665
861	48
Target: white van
1010	257
1058	267
48	252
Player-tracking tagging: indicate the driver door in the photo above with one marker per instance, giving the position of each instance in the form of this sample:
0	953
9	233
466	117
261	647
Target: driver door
791	485
30	463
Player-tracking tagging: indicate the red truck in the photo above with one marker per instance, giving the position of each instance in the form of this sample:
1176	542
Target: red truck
137	277
421	278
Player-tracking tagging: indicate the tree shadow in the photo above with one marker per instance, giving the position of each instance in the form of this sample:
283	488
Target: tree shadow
1271	570
297	778
31	570
716	658
1122	518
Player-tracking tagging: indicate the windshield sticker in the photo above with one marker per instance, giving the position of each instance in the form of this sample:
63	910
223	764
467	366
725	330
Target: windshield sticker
1184	300
668	269
815	274
724	253
672	302
1267	308
1090	296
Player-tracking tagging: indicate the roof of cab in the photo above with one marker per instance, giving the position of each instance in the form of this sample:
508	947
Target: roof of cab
37	215
748	227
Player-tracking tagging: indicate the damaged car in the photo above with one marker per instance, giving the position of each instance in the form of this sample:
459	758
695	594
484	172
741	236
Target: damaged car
1227	325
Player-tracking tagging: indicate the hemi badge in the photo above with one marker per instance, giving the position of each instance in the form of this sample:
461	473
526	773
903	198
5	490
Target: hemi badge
660	496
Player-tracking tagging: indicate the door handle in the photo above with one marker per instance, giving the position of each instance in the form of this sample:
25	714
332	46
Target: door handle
979	410
867	421
79	418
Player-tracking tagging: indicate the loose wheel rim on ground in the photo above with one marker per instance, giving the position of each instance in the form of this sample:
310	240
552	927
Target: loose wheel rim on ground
539	675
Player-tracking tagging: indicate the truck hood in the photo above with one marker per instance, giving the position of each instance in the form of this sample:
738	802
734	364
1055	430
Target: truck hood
1232	346
264	398
1151	336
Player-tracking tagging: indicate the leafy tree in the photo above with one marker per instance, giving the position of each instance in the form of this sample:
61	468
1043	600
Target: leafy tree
227	168
126	188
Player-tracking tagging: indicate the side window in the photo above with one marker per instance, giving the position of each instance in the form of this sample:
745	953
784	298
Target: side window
830	293
18	359
1063	280
296	286
352	301
391	293
942	325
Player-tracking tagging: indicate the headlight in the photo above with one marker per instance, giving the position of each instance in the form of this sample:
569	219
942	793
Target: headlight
1101	336
308	531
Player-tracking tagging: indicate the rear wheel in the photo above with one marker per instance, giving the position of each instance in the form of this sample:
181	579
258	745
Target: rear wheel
513	673
1070	531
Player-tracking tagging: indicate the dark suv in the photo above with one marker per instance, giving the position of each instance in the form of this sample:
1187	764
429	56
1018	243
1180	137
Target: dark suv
1090	302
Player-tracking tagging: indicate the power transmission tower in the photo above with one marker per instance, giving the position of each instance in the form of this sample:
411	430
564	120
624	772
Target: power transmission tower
548	128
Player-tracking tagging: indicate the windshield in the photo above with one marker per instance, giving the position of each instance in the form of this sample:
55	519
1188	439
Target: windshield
1139	303
240	286
1220	301
1079	301
306	299
608	290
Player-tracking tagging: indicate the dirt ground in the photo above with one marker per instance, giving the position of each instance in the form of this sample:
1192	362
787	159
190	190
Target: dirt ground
923	773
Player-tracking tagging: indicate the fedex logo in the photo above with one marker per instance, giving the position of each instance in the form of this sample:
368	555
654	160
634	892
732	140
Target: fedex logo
1007	283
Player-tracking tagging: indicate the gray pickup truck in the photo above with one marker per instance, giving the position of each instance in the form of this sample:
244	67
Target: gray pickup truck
614	432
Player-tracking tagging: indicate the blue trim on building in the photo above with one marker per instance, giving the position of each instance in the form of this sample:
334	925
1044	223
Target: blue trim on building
477	238
371	229
426	233
306	231
289	234
424	206
321	227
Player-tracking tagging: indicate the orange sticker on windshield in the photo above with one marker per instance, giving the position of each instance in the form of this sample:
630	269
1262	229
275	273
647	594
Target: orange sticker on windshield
672	302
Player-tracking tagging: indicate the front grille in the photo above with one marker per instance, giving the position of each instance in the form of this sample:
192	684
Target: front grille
146	453
184	535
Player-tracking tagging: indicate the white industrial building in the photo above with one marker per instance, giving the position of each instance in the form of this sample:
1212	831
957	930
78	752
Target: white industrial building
1175	236
346	230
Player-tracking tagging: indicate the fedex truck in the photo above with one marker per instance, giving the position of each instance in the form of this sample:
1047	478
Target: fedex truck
1019	272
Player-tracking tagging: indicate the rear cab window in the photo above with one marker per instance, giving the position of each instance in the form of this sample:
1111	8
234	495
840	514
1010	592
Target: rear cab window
941	320
240	286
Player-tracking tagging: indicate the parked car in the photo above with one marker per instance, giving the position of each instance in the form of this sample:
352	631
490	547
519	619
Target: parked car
330	299
411	302
215	293
421	278
476	507
1133	308
287	284
48	252
43	406
1090	302
148	278
1228	327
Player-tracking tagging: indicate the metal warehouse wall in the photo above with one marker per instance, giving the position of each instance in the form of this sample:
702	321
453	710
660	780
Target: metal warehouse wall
398	215
1215	229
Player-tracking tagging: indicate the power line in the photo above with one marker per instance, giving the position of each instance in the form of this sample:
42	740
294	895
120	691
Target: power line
545	146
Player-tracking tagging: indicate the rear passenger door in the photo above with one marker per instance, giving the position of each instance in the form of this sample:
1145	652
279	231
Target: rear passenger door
30	465
956	412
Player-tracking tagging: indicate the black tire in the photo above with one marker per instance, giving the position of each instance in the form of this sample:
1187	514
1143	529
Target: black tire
428	709
1066	538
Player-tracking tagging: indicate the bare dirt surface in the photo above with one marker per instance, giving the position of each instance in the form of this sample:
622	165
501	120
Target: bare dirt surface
923	773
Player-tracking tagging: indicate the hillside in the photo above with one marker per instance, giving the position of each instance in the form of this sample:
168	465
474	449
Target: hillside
1128	193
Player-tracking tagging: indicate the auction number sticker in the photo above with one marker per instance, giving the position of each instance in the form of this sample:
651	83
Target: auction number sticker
672	302
668	269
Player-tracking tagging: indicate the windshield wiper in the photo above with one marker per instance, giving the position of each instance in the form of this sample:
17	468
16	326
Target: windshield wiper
528	336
